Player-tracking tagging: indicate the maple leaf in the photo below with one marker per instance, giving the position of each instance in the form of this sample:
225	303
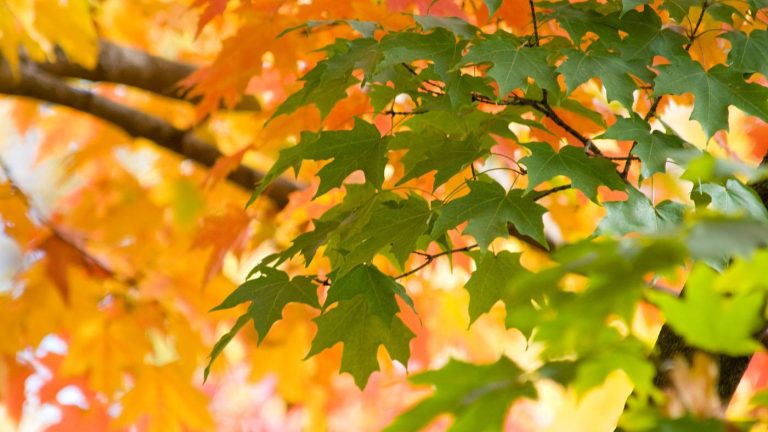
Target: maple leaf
653	148
586	173
328	81
356	323
212	9
268	294
438	46
488	283
488	208
748	52
361	148
714	90
222	233
691	317
513	62
167	399
614	71
638	214
395	225
734	198
363	318
474	394
647	37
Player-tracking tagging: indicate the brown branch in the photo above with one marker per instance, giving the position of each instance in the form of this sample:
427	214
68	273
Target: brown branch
38	84
543	107
122	65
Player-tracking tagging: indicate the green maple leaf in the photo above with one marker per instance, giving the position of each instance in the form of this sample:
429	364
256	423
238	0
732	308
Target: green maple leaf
714	91
447	156
354	210
268	295
394	224
647	37
489	208
735	199
357	324
739	315
439	46
749	53
478	396
638	214
453	24
445	142
361	148
586	173
328	81
581	18
513	63
614	70
308	243
378	289
653	148
489	281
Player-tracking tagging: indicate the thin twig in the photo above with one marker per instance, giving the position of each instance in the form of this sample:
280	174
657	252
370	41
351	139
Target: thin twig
542	194
432	257
548	112
535	24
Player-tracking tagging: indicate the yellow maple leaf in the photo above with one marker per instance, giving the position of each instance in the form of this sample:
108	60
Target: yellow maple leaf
166	399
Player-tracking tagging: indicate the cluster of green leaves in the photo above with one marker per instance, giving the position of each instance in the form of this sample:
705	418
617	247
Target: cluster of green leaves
583	330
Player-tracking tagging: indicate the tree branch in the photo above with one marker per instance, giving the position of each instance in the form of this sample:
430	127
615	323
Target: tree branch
122	65
38	84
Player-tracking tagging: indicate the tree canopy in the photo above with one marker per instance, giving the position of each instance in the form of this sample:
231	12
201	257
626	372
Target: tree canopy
367	215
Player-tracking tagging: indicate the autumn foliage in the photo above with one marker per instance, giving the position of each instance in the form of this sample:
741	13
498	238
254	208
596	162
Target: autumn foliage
358	215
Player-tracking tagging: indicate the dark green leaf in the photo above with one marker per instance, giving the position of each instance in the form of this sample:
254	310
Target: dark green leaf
586	173
714	90
488	282
749	53
394	225
638	214
328	81
488	208
513	63
361	148
439	47
377	288
646	37
614	70
735	199
354	323
268	295
653	148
